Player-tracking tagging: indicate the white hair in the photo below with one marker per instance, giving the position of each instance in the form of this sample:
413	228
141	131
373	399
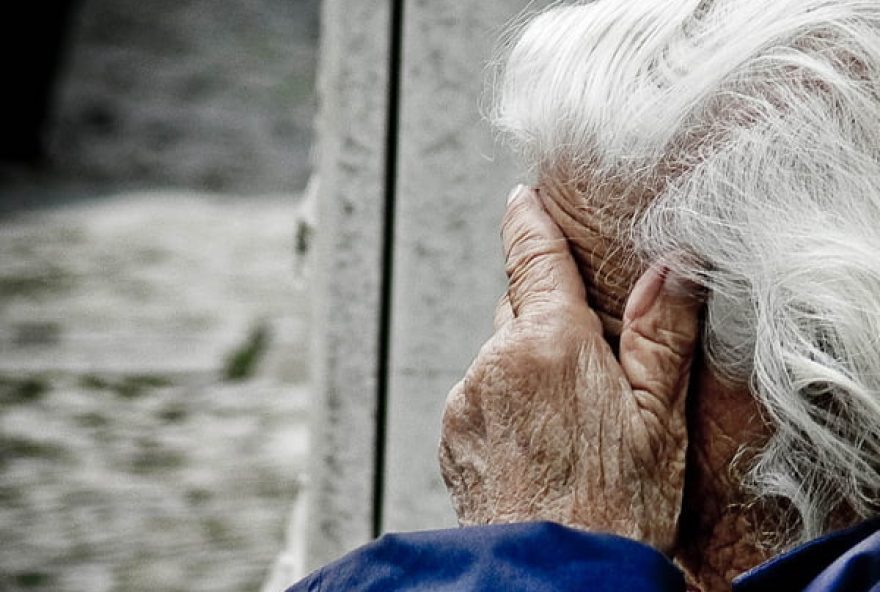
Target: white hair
757	124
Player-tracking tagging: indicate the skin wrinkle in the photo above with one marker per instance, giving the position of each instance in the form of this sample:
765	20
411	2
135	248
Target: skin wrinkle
600	437
714	520
609	271
713	422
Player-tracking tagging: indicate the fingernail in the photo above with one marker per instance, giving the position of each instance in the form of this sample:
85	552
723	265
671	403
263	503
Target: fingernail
518	191
645	292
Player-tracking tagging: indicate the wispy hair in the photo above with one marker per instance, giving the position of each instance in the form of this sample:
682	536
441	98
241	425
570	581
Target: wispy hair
756	125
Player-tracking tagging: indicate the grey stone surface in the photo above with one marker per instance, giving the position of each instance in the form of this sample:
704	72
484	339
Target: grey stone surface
448	271
447	268
353	86
129	459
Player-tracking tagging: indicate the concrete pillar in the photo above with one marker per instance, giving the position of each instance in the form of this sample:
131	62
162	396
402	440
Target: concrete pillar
448	271
383	371
352	130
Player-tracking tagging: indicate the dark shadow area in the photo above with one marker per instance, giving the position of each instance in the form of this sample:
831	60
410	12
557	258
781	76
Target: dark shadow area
31	45
110	95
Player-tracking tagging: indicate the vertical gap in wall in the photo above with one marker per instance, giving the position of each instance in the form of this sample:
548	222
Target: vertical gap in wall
391	150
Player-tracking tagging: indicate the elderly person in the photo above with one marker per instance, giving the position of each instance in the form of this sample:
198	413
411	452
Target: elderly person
705	171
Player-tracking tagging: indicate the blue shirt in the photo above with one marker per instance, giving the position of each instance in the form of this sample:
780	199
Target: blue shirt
547	557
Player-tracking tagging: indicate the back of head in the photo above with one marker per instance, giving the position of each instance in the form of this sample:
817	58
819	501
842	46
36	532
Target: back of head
749	130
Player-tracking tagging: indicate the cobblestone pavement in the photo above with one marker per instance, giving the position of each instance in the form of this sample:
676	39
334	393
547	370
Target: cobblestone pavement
153	392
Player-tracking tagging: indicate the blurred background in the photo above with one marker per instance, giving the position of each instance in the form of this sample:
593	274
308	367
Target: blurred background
201	388
153	312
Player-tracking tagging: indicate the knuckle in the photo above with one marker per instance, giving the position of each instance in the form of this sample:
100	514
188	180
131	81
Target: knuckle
456	403
529	250
542	342
503	312
462	415
667	340
659	362
447	460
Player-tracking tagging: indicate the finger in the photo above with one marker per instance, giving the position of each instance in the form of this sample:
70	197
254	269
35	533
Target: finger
503	313
661	324
455	442
542	273
463	426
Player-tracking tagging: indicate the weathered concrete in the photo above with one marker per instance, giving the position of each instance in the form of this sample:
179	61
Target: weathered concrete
353	85
448	272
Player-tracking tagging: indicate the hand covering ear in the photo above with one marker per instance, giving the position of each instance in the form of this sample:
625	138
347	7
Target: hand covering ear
547	423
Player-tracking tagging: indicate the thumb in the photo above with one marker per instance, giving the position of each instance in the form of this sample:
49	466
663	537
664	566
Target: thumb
661	325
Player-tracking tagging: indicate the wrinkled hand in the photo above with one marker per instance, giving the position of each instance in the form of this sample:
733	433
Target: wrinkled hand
548	424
